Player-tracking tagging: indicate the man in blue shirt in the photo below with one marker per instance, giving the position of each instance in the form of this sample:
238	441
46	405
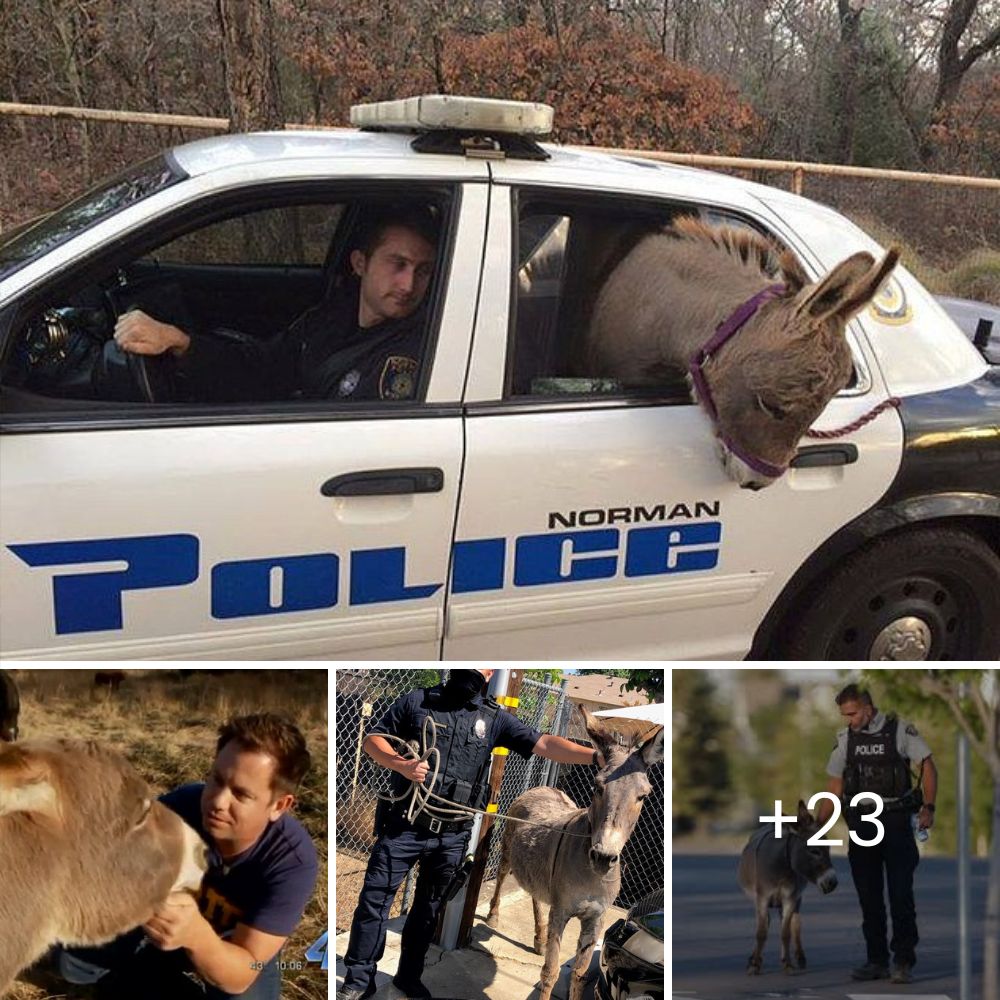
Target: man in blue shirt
468	727
262	869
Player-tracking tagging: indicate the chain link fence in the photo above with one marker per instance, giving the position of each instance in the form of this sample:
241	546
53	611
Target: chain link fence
547	709
363	695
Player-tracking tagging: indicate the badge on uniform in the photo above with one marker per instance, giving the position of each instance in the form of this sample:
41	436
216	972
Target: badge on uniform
398	378
480	729
349	383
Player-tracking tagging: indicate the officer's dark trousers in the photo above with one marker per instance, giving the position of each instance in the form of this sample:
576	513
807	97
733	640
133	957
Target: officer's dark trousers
393	855
893	861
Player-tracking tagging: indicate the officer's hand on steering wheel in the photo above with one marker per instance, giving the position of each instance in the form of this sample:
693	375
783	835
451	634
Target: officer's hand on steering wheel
138	333
415	770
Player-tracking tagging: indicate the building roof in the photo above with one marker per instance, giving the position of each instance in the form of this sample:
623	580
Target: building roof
607	690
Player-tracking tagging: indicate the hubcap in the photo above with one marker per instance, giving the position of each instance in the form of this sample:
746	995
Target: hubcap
906	638
915	617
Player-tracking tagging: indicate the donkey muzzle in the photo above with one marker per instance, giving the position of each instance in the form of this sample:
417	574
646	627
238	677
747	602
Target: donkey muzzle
827	882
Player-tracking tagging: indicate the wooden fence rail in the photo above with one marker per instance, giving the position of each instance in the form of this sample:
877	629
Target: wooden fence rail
798	170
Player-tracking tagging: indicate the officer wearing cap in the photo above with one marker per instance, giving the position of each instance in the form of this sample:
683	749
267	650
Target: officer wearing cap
876	753
468	728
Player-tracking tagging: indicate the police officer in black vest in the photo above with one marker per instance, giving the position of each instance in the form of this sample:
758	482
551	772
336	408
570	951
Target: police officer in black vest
875	753
469	727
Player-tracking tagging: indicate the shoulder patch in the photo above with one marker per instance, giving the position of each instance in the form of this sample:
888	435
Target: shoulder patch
911	730
398	378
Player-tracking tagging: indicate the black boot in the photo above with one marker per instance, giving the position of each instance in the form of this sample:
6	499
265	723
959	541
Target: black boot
870	970
343	994
412	987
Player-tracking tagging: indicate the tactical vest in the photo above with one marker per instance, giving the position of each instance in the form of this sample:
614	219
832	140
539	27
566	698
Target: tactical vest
463	741
874	764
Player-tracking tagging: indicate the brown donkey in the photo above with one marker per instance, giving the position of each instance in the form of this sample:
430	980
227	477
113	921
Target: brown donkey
767	384
572	862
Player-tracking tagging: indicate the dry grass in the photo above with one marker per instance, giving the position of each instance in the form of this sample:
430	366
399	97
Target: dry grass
166	724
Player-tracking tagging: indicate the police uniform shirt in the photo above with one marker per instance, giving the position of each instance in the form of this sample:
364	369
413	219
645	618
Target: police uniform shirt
910	744
405	719
323	355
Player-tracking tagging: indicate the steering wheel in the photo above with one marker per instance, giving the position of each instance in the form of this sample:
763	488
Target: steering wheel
122	375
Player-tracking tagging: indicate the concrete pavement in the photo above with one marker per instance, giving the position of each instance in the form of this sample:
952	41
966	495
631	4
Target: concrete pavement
498	965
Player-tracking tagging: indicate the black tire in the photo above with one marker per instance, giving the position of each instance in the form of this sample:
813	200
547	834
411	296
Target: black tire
945	578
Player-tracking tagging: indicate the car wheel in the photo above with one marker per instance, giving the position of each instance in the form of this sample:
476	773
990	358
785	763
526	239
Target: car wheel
925	594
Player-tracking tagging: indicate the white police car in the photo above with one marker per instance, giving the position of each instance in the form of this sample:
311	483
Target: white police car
506	510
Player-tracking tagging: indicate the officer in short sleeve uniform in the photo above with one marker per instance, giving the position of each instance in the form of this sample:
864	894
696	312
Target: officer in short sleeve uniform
881	758
469	727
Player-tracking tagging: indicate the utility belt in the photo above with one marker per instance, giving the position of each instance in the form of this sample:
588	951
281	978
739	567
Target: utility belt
440	826
386	817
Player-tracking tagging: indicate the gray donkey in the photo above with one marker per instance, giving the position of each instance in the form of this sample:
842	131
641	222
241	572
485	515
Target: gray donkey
775	872
768	384
573	862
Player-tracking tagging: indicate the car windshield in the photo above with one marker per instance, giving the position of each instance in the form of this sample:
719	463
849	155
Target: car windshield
26	243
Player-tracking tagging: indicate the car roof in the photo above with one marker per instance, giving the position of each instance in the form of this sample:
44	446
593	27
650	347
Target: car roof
204	156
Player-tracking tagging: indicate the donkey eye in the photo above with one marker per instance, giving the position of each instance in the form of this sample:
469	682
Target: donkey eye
774	411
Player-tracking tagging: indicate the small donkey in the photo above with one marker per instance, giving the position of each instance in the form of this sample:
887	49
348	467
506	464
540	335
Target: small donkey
572	862
775	872
771	381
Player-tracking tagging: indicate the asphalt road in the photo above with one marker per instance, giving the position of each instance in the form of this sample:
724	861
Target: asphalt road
713	931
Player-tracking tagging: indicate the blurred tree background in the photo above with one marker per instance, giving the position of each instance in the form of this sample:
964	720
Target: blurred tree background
909	84
743	738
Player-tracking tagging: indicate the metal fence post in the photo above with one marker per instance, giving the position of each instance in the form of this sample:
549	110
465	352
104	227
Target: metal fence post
964	956
451	919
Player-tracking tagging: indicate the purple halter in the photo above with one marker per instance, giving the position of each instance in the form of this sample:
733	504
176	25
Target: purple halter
725	331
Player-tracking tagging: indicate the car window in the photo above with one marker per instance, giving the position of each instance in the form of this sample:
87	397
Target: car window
292	235
564	252
266	306
121	191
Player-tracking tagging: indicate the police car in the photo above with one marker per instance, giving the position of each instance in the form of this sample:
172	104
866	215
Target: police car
509	509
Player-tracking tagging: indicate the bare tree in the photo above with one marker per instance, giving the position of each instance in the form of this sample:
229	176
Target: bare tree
953	64
250	62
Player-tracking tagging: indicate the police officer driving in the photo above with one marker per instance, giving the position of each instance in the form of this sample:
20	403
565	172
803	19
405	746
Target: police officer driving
875	753
467	727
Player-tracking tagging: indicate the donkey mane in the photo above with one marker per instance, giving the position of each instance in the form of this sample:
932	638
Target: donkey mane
745	245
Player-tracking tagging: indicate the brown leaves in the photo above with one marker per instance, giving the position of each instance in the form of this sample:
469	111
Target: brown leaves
608	87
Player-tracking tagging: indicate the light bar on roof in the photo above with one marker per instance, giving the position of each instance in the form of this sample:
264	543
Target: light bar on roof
447	111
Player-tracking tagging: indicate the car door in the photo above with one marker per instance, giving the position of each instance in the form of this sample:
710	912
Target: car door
280	530
599	524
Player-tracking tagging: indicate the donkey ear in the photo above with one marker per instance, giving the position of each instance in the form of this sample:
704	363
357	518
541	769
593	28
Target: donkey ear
804	817
849	287
825	299
865	290
25	784
602	738
652	749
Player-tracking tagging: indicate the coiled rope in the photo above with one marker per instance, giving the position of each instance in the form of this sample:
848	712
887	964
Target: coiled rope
420	795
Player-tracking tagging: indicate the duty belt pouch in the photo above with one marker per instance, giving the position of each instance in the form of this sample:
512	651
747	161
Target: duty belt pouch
462	792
